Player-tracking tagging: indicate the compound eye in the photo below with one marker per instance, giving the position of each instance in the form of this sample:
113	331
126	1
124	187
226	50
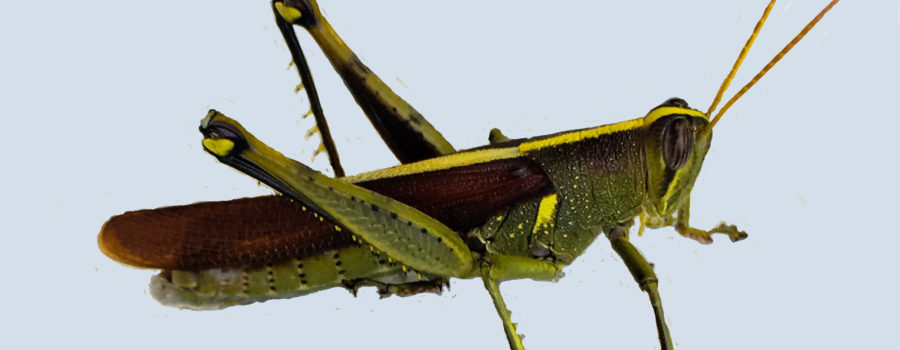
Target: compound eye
677	142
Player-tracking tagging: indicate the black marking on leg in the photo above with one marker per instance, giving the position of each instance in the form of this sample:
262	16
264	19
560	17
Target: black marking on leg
301	274
270	277
245	281
337	265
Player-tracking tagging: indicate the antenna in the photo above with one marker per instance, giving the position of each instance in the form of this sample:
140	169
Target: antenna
765	69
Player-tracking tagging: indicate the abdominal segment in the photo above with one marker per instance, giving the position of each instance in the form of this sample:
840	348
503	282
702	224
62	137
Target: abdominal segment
220	288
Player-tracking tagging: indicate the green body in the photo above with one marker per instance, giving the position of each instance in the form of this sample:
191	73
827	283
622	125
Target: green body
542	202
600	179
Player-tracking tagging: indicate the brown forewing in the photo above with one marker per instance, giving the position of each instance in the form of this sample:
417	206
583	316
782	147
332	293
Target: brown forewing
259	230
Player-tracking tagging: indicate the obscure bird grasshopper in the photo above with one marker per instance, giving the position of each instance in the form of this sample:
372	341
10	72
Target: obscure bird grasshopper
510	210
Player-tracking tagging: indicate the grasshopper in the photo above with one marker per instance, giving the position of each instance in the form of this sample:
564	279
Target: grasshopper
513	209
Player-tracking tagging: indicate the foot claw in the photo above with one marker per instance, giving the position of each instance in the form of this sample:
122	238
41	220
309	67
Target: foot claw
738	236
731	230
705	237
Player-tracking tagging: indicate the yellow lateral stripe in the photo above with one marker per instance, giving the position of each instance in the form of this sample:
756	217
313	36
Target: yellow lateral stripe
439	163
546	210
576	136
491	154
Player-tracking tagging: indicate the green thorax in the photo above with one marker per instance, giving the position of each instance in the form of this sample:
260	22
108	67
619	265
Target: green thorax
604	177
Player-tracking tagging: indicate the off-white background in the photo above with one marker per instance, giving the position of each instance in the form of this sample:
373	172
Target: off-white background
100	102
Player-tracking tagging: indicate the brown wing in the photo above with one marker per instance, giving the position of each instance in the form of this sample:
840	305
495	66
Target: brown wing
259	230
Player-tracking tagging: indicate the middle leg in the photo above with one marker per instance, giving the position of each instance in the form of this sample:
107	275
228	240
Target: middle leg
643	274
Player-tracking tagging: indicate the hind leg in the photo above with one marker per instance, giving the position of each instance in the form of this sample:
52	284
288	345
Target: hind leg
405	131
290	37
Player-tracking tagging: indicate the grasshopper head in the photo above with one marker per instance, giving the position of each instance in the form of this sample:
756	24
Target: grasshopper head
678	137
675	145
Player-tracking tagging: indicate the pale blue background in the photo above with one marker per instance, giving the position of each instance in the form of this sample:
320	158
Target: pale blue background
100	102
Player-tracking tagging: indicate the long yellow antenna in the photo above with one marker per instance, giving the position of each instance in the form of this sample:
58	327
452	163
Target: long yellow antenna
740	59
768	66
